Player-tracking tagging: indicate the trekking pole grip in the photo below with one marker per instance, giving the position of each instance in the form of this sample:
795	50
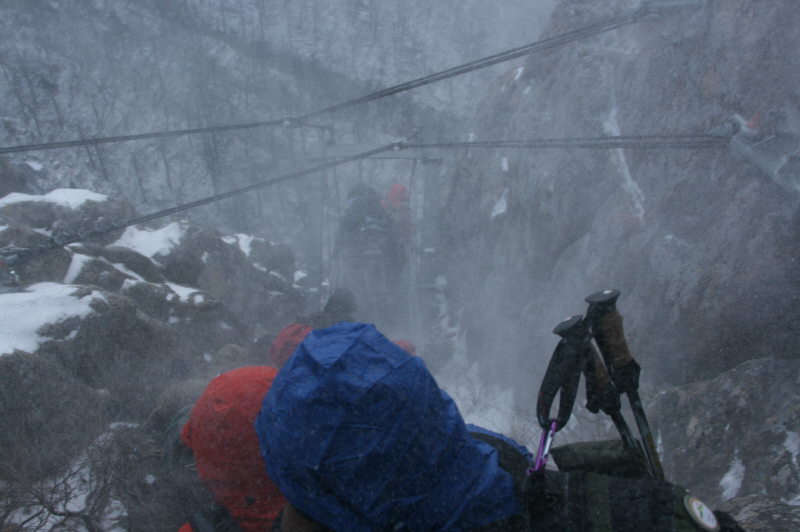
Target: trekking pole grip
612	334
608	332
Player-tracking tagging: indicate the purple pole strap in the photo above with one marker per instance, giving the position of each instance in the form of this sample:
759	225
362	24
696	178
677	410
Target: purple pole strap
544	448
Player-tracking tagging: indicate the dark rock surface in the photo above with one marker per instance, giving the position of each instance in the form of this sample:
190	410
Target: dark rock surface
702	244
735	435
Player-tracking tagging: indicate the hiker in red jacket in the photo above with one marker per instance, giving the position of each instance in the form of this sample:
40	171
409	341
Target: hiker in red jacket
225	446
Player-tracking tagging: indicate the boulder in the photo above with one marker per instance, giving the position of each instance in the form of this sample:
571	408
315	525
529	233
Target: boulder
21	243
761	513
116	348
193	256
95	271
14	178
67	214
127	258
735	435
46	416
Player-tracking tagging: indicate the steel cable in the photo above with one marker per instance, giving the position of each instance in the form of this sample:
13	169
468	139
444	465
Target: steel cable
529	49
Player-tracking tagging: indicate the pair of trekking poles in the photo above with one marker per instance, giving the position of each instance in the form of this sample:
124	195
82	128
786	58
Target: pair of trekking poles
607	378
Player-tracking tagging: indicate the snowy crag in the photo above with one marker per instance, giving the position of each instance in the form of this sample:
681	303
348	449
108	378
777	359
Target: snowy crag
702	244
103	341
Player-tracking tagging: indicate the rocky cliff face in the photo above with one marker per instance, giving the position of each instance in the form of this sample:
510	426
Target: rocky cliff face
702	244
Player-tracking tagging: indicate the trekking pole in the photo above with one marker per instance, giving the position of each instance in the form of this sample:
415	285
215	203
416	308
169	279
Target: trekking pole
601	394
606	326
563	374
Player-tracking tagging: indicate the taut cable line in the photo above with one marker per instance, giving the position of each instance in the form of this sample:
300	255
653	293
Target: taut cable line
15	255
596	28
635	141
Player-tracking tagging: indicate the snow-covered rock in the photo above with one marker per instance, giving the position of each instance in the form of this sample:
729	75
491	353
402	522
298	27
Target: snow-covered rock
66	213
735	435
117	322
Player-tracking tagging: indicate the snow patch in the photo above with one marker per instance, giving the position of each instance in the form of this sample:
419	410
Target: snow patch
150	479
152	242
72	198
504	164
518	72
122	425
128	283
792	445
299	275
36	167
611	127
130	273
731	482
244	241
184	292
527	90
501	206
24	313
207	357
75	267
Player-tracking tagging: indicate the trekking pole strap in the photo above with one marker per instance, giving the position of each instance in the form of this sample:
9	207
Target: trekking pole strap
563	373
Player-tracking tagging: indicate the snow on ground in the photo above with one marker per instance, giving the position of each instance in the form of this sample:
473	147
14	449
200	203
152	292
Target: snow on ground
501	206
152	242
792	445
71	198
24	313
244	241
611	127
36	167
184	292
731	482
80	491
75	267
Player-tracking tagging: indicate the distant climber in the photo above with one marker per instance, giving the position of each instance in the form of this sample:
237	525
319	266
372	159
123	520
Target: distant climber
341	306
369	253
772	143
285	343
397	206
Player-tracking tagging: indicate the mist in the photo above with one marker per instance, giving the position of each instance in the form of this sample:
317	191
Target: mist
699	235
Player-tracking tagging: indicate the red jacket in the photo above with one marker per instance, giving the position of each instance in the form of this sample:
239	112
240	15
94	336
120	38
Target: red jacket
285	343
222	437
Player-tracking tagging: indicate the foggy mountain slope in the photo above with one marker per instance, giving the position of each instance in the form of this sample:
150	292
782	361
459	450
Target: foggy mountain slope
388	42
701	243
74	69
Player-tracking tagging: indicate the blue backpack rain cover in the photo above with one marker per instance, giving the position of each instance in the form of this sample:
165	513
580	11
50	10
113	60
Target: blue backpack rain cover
357	435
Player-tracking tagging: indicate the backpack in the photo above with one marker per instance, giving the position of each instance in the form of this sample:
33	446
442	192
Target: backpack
214	519
600	487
